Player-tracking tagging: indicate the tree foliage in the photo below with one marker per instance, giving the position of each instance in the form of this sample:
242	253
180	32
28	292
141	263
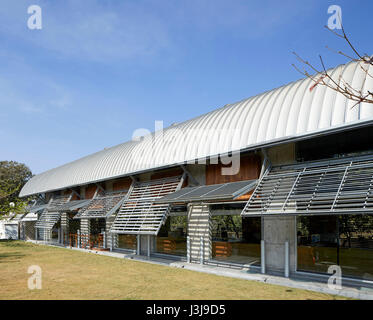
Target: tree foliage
13	176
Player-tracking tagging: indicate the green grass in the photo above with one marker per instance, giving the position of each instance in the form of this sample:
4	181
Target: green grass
69	274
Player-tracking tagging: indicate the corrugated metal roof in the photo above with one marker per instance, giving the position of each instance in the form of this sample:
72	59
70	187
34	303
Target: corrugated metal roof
283	113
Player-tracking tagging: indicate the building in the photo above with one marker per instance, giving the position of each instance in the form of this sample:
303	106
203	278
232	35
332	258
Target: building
280	182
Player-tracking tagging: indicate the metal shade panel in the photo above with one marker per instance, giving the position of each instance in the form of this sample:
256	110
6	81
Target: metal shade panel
286	113
139	213
101	207
320	187
70	206
224	191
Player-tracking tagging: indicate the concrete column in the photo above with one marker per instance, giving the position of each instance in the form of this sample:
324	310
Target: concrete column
147	244
112	241
199	226
276	231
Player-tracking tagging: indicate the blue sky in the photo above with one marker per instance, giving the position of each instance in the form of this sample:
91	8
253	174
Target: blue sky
98	70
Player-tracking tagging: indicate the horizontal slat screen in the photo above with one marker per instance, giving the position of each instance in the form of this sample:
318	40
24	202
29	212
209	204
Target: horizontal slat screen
322	187
48	218
139	214
101	206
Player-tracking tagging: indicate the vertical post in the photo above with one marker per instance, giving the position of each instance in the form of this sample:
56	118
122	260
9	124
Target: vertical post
188	250
262	256
201	251
104	240
59	236
138	245
36	234
287	259
112	242
78	232
148	245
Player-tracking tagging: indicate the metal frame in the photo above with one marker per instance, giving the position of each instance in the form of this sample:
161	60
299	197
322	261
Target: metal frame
139	214
49	218
102	206
337	186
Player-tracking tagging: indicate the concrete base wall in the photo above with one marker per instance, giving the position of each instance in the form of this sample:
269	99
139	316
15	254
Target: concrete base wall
275	232
199	225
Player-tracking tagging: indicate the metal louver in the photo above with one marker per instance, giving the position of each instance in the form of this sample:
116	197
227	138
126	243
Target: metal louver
103	206
139	213
49	218
320	187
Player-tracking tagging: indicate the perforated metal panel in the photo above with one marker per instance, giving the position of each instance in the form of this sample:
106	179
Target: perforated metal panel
322	187
224	191
49	218
70	206
102	206
139	213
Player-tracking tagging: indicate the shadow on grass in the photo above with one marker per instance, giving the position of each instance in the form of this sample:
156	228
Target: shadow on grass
10	257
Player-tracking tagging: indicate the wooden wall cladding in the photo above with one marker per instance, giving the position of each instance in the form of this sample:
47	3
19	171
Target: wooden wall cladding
123	184
167	174
250	167
90	191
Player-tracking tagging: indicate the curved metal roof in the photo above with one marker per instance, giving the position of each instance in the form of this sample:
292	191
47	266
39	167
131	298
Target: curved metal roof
283	113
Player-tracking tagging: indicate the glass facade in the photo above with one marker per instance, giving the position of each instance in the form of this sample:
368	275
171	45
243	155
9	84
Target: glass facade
236	239
345	240
172	237
127	241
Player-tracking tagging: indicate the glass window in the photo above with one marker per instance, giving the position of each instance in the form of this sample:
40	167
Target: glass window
356	246
127	241
346	241
236	239
172	237
317	243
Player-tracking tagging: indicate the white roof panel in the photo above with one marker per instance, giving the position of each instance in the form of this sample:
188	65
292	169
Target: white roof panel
287	112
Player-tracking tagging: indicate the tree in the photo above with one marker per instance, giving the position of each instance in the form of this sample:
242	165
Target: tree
13	176
321	76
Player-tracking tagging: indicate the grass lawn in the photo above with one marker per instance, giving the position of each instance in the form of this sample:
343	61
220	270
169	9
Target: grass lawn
69	274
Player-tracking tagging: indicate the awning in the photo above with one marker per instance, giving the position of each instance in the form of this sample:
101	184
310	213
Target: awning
102	206
49	218
140	214
31	216
37	208
218	192
70	206
17	217
320	187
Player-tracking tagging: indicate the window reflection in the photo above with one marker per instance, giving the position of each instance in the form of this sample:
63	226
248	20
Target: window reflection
345	240
172	237
236	239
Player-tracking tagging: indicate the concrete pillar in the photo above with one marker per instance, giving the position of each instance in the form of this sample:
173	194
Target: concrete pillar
277	231
147	244
199	226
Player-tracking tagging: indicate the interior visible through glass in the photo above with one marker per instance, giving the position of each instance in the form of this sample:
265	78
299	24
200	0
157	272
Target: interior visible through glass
345	240
236	239
172	237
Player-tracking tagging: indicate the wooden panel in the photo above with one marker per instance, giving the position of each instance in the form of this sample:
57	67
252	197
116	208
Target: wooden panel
167	174
123	184
90	191
250	167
